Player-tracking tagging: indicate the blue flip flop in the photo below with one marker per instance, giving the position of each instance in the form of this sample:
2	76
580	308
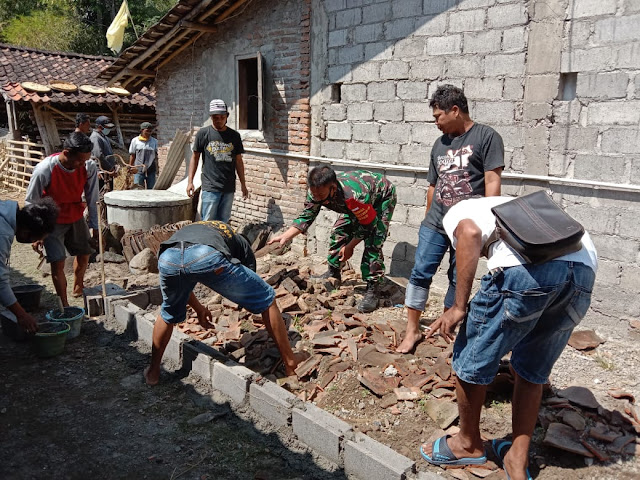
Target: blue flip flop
500	448
442	455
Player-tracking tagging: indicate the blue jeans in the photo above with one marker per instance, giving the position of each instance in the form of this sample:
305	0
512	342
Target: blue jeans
181	268
432	246
529	310
148	177
216	206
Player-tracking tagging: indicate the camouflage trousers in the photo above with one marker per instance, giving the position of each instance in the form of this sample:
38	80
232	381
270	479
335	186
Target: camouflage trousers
347	228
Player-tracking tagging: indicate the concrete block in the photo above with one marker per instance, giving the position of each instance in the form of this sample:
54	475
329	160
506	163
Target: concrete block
513	89
411	90
582	139
388	111
332	149
617	249
395	133
416	154
349	55
378	12
436	7
509	65
321	431
501	16
338	131
199	363
400	28
483	88
567	113
469	66
348	18
339	73
381	91
125	314
495	113
482	42
336	112
541	88
466	21
592	8
357	151
602	85
143	328
366	132
232	380
395	69
371	32
367	458
378	51
629	225
139	299
621	140
627	112
174	347
354	93
629	280
514	40
417	112
594	220
430	26
595	59
410	48
93	305
600	168
155	296
611	273
544	50
272	402
334	5
406	233
360	111
430	69
470	4
385	153
630	6
425	133
337	38
445	45
407	8
536	111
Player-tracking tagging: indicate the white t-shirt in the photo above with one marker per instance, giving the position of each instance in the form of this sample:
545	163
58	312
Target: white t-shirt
501	254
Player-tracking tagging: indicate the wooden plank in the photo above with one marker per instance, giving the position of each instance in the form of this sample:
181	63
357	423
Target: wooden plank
22	157
169	45
31	144
116	122
200	27
21	150
179	50
229	11
175	157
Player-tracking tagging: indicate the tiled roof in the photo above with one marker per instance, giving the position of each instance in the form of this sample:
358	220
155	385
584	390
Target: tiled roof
19	64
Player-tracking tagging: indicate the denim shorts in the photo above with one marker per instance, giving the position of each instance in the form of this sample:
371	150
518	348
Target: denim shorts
432	246
216	206
529	310
182	268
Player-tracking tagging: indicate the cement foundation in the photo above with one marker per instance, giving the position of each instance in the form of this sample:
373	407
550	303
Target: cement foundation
142	209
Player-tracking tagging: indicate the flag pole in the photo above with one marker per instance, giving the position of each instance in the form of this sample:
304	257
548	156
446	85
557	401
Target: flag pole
132	24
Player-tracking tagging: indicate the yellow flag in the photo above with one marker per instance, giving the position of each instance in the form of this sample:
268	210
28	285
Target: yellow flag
115	32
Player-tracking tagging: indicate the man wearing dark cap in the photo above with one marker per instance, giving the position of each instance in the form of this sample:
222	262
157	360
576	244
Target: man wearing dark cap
102	147
222	148
64	177
144	157
83	123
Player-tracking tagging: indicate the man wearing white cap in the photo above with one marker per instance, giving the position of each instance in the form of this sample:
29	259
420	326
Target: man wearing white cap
222	149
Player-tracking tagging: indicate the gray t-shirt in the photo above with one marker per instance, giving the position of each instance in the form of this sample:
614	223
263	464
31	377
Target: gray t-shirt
219	150
146	152
457	169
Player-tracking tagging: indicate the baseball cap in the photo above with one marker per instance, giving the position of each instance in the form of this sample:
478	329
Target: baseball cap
144	125
104	121
217	107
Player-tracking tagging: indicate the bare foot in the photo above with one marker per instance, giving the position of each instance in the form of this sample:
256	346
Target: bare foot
151	380
409	342
299	358
77	292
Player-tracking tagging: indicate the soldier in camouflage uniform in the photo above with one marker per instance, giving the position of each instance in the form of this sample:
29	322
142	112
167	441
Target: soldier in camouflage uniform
366	202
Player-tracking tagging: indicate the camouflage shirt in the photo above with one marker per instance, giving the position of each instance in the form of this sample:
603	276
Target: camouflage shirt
360	195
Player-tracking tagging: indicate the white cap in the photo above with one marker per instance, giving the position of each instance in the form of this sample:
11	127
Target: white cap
217	107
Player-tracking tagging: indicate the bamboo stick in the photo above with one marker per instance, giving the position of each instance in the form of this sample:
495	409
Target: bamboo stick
101	249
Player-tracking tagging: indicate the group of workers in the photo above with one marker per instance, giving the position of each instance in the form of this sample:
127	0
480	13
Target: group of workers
527	309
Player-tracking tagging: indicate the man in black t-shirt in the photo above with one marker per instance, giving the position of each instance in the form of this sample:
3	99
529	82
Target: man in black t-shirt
222	149
209	252
466	161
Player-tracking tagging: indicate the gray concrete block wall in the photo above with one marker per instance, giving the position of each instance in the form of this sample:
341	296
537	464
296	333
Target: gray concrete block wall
509	57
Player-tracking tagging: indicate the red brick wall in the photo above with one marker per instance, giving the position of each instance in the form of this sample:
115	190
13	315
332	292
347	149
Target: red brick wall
277	185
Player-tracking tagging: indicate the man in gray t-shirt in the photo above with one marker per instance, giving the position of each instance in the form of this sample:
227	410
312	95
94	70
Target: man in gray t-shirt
466	161
143	153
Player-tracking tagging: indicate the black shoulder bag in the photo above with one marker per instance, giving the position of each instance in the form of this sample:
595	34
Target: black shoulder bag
536	228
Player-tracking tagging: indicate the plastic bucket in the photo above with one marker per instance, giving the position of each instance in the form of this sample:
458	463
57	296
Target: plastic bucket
73	316
50	339
28	295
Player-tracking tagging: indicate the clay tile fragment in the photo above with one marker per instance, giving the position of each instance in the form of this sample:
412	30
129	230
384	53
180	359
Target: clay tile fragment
584	340
619	394
479	471
565	438
579	396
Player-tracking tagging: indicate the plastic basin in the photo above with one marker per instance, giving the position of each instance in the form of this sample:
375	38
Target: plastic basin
50	339
28	295
73	316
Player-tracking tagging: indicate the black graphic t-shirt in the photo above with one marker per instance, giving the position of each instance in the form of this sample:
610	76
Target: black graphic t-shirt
457	169
218	235
218	150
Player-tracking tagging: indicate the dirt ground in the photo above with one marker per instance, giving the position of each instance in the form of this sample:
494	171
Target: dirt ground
60	405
